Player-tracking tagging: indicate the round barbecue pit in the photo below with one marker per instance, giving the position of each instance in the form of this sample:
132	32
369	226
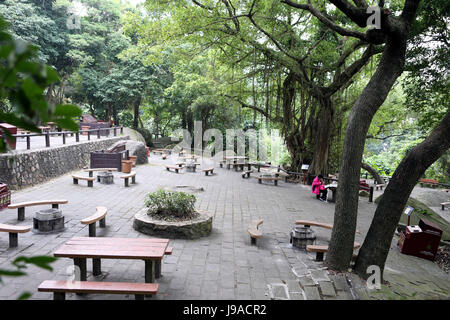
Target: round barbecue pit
105	177
302	237
48	221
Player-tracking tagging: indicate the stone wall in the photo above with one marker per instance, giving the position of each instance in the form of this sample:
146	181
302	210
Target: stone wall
30	167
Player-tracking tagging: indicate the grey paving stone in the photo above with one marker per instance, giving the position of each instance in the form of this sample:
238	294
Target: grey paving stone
311	293
327	288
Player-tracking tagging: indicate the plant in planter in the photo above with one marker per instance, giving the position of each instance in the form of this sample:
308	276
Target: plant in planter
171	205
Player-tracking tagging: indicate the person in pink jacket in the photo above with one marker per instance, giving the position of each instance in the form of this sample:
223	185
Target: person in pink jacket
318	188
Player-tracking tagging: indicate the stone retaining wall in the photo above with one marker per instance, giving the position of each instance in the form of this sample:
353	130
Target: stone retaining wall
30	167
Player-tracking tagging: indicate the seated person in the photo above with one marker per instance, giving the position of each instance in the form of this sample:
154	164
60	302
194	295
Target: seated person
318	188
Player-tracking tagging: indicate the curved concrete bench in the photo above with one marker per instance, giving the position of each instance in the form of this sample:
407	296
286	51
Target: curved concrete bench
61	287
21	206
253	230
90	180
100	215
13	233
126	177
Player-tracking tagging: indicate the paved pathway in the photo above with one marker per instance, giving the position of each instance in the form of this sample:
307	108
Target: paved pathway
224	265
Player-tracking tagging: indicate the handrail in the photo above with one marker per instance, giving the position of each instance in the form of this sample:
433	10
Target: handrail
47	134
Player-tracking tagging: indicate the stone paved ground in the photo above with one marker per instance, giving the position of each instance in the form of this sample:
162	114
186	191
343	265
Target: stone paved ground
224	265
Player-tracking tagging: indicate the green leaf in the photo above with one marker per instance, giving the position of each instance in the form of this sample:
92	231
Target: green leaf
39	261
67	110
24	296
9	273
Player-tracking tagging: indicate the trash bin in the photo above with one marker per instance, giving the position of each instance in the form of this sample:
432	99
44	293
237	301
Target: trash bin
11	129
126	166
421	241
5	196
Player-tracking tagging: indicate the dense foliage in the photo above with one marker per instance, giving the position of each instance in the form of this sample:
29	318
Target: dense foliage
169	205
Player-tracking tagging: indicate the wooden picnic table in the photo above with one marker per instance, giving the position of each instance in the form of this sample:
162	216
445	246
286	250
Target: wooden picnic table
96	248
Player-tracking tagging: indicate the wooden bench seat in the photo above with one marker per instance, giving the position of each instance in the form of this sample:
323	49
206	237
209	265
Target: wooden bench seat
21	206
61	287
126	177
445	205
321	249
380	186
13	233
91	171
433	183
208	171
253	230
309	223
176	168
246	174
99	215
274	179
90	180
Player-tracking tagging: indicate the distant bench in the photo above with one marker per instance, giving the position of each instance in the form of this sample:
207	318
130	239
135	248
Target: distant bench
126	177
61	287
380	186
207	171
433	183
13	233
246	173
445	205
99	215
174	168
21	206
274	179
91	171
90	180
253	230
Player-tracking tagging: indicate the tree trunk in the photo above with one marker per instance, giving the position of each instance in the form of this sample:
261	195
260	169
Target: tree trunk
373	172
323	137
375	248
137	104
374	94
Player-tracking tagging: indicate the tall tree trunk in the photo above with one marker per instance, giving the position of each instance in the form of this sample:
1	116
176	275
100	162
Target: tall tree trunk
374	94
323	137
375	248
137	104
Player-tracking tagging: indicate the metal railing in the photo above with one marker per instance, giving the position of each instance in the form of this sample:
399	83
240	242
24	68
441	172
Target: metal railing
64	134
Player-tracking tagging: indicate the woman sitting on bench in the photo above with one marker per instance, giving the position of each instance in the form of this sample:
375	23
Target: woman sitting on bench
318	188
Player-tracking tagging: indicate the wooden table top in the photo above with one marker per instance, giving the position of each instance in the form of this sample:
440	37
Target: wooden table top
113	248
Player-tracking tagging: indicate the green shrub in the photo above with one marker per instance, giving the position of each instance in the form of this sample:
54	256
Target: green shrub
170	204
147	136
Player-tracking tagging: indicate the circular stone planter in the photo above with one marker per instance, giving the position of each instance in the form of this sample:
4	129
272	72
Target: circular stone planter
201	226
